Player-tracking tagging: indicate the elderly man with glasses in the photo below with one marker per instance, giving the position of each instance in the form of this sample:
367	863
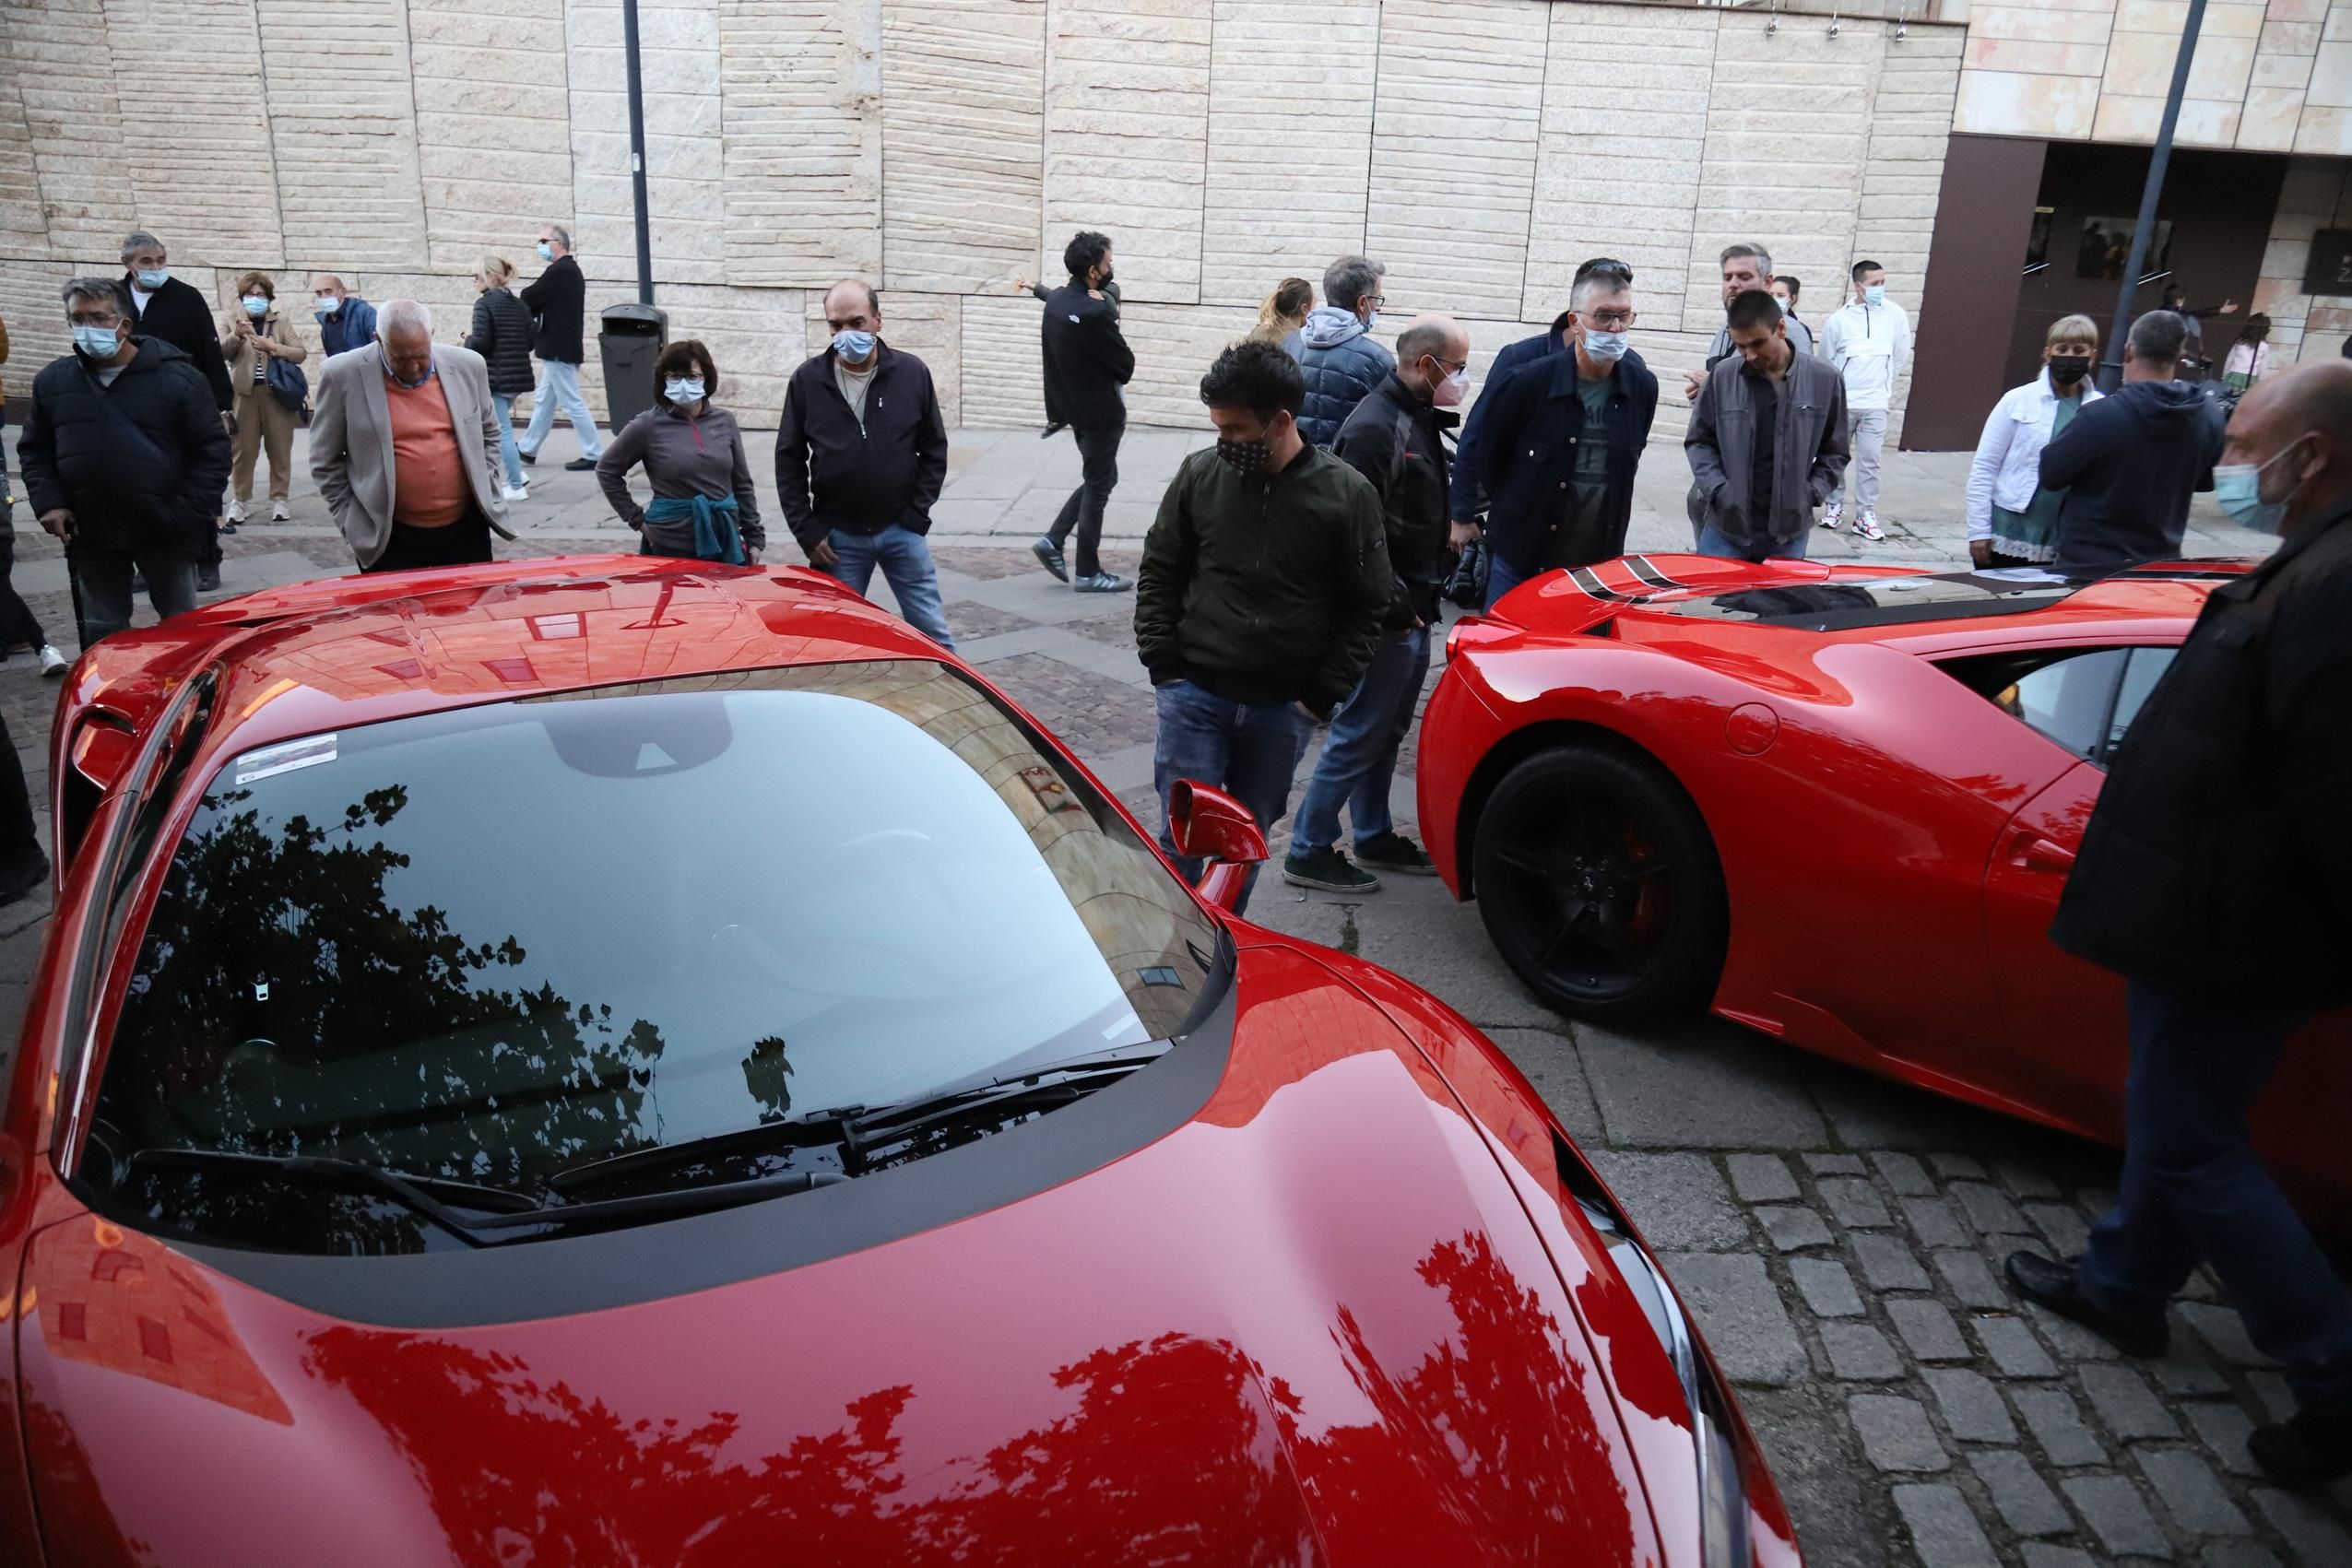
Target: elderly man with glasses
1552	445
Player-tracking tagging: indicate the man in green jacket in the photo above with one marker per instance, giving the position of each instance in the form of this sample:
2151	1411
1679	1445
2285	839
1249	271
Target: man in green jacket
1264	581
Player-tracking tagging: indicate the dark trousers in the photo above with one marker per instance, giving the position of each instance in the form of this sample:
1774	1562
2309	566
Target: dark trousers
463	543
19	837
1098	457
17	623
104	579
2193	1189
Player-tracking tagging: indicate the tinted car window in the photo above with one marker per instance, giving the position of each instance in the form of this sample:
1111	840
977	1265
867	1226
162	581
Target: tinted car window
2141	672
2083	699
489	944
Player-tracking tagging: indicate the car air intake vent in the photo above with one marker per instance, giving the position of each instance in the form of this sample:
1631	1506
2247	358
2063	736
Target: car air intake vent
1606	627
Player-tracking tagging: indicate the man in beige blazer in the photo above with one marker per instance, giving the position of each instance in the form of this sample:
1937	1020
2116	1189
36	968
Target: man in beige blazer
404	446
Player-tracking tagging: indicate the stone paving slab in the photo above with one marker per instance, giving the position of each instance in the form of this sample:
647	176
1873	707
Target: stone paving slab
1836	1236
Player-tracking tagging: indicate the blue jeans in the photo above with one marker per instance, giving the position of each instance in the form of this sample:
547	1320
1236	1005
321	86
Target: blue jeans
1502	577
506	452
1248	749
560	383
906	566
1359	760
1710	542
2194	1190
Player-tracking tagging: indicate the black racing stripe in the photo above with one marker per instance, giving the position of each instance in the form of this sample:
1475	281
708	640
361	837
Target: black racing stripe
1586	578
1640	567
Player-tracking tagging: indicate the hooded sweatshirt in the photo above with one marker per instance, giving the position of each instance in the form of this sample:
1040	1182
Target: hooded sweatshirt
1868	344
1341	363
2128	465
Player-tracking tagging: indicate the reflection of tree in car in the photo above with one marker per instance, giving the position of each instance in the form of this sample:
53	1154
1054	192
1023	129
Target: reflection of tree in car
765	1071
1166	1450
282	1004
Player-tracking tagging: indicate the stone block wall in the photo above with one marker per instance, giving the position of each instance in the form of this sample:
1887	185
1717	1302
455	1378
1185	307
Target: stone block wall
943	148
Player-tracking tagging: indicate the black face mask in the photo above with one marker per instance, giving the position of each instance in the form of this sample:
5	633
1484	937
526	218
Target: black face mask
1244	457
2066	369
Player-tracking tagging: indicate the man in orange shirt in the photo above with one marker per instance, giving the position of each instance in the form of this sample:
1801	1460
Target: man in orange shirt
404	446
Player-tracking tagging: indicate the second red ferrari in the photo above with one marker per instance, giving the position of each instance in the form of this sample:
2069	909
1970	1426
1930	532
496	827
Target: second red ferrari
1836	804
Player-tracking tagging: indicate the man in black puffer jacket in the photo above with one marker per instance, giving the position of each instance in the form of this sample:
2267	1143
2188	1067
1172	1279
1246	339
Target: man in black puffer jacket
1395	440
1265	581
123	459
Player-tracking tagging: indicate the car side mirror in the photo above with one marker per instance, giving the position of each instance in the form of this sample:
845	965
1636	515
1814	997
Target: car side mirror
1213	826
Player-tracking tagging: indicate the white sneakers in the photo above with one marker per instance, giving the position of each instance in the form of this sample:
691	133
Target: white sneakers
516	492
237	511
1833	517
1867	528
52	663
278	513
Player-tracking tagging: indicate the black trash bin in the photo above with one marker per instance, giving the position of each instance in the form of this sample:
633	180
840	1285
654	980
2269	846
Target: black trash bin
633	339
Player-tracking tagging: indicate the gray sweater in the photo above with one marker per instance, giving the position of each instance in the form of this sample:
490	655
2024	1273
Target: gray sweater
683	458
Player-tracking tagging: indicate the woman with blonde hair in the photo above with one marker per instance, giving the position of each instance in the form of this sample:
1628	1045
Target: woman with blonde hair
253	337
1282	313
2012	519
502	336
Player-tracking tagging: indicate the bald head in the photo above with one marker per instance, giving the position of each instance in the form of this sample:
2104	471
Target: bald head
2298	422
1430	350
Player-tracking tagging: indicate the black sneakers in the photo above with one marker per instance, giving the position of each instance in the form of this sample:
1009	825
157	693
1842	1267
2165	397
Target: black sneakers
580	465
1394	851
2307	1451
1049	556
1328	871
2059	1286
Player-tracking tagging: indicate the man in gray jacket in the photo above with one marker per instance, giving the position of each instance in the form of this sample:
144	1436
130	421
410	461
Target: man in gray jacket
1752	497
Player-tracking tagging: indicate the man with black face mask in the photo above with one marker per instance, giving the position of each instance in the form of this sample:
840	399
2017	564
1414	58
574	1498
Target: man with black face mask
1265	582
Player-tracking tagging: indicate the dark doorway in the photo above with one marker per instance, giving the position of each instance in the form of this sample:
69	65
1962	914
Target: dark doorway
2025	232
2213	225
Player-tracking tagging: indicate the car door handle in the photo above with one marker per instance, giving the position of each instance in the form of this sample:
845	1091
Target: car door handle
2029	851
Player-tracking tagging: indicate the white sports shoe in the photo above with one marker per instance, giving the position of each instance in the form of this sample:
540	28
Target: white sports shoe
52	661
1868	528
1832	515
515	492
236	511
281	512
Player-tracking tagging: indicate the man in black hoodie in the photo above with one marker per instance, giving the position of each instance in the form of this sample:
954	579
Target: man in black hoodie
171	312
123	460
2128	463
1265	581
1087	361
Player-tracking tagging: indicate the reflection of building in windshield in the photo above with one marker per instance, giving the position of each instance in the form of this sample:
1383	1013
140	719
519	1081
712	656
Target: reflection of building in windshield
113	1298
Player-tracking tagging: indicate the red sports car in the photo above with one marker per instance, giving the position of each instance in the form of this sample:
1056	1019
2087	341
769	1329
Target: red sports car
1837	803
619	1061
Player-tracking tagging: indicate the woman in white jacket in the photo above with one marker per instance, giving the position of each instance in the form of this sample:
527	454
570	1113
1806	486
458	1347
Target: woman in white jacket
2011	520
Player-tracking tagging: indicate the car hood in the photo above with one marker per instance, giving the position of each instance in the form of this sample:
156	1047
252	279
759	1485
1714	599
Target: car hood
1311	1325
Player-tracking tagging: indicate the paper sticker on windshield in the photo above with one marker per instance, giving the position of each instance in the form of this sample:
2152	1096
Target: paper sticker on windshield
271	761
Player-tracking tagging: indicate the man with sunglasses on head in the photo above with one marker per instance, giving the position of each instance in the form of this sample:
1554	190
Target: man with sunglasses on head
1552	448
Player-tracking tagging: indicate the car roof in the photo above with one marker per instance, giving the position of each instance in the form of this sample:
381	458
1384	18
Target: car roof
349	651
1914	608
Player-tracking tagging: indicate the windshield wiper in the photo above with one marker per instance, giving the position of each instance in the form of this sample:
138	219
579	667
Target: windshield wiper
859	1131
511	1210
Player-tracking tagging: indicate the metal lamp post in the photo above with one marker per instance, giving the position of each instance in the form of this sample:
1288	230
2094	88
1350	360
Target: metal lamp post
637	149
2111	370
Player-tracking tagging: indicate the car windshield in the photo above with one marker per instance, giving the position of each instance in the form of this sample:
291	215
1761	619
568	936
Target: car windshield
489	945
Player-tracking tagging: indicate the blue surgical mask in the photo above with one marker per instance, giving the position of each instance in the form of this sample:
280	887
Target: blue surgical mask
547	251
682	392
2238	488
154	278
97	342
1608	348
1875	295
328	305
395	375
258	304
853	347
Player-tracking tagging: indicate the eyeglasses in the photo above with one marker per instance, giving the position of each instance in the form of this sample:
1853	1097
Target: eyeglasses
1611	321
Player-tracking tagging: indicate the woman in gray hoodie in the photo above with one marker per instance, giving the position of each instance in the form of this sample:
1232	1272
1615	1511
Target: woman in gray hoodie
703	506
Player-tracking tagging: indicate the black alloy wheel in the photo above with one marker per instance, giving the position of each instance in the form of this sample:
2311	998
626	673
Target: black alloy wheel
1599	884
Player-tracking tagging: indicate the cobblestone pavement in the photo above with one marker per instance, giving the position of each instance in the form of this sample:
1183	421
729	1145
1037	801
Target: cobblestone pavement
1839	1237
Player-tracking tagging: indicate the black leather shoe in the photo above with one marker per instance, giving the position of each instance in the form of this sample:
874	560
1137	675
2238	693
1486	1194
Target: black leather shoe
2305	1451
580	465
207	579
2058	1287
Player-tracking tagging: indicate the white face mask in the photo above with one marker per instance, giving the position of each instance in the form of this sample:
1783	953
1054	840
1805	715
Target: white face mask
1449	389
682	393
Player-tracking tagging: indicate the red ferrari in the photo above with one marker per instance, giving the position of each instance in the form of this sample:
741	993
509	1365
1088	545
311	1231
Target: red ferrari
1838	804
605	1061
